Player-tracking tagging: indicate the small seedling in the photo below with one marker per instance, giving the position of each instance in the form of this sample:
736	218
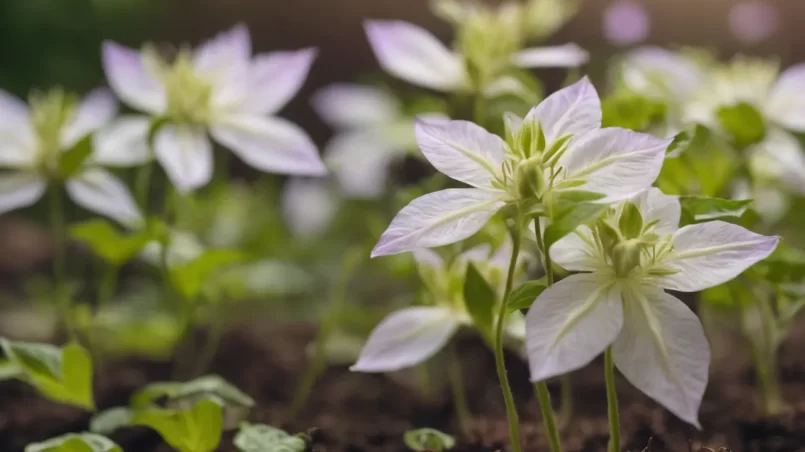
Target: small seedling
73	442
265	438
428	439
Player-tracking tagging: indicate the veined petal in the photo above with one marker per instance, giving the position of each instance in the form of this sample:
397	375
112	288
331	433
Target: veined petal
655	205
130	80
308	205
360	162
462	150
414	55
348	105
185	153
786	103
574	110
269	144
577	251
275	78
20	190
97	109
567	55
571	323
616	162
99	191
124	142
662	351
439	218
405	338
708	254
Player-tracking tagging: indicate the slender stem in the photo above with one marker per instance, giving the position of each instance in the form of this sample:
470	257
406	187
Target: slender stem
59	251
764	350
543	395
108	285
215	331
612	403
565	400
143	185
459	392
508	397
548	418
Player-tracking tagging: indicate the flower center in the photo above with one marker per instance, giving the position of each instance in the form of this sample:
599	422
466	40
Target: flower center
50	111
188	95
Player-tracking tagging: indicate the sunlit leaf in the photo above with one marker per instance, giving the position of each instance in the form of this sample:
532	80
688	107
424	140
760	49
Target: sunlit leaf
265	438
107	421
71	160
75	442
189	278
704	208
194	429
743	122
108	242
428	439
570	218
523	296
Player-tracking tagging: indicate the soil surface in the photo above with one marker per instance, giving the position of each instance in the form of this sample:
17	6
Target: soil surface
361	412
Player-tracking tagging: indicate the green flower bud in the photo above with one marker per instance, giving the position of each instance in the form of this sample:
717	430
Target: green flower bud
631	222
529	179
626	256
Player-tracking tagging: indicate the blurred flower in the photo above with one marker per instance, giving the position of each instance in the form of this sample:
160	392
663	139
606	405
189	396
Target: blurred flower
626	22
35	140
753	21
218	88
183	247
629	259
309	205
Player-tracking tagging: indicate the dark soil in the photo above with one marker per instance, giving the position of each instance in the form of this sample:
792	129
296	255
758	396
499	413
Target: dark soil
360	412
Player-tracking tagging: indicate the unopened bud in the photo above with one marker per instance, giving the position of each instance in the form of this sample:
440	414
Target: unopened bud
530	179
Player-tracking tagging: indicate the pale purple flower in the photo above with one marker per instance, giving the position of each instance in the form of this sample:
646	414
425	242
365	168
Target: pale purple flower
219	89
626	22
753	21
33	141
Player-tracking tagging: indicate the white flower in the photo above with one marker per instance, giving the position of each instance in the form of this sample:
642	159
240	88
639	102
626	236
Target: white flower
309	205
218	89
184	246
620	301
570	152
411	335
34	140
413	54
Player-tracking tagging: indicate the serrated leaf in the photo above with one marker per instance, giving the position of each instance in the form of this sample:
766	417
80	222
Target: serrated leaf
743	122
480	299
523	297
265	438
62	375
107	421
106	241
428	439
189	278
75	442
571	218
704	208
195	429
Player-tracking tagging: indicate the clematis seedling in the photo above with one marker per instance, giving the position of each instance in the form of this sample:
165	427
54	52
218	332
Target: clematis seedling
75	442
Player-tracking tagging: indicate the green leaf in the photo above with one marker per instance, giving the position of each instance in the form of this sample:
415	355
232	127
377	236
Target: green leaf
265	438
75	442
428	439
631	221
106	241
703	164
107	421
743	122
480	299
571	218
189	278
523	296
195	429
631	111
62	375
72	160
704	208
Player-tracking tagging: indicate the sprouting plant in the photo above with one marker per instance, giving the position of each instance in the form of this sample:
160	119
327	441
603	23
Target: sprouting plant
619	306
428	439
60	374
265	438
75	442
556	163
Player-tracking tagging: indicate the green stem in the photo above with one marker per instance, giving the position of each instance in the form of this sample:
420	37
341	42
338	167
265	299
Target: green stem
478	109
764	351
215	331
63	303
612	403
566	401
543	395
459	392
328	326
508	398
106	291
142	185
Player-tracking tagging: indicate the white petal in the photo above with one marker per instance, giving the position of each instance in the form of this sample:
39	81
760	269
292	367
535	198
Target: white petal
269	144
17	141
708	254
185	153
230	48
124	142
574	110
654	205
20	190
347	105
129	78
616	162
439	218
414	55
360	162
97	108
568	55
428	259
571	323
275	78
786	104
779	157
462	150
405	338
308	205
576	252
659	73
662	350
99	191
